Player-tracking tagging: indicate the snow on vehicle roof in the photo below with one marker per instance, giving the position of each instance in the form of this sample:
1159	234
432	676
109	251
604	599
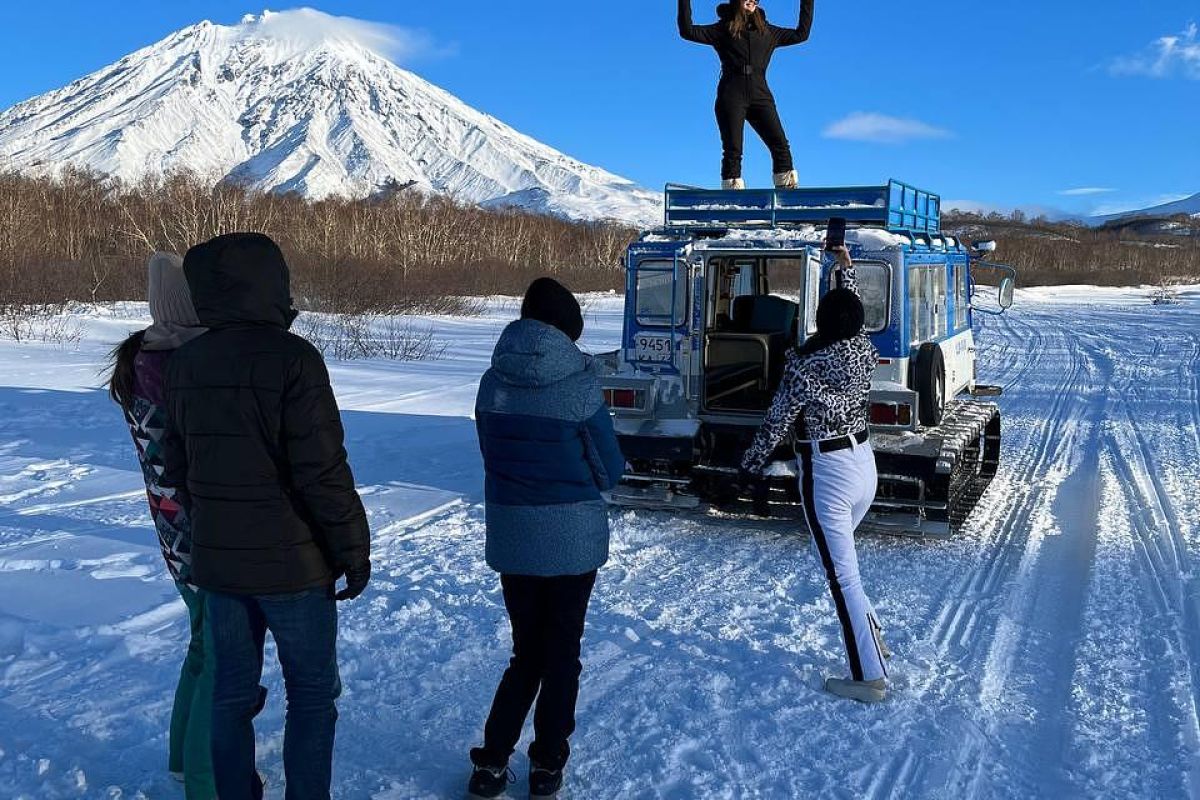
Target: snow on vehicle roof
868	239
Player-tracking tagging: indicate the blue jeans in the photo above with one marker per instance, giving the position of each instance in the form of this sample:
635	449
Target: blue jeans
304	626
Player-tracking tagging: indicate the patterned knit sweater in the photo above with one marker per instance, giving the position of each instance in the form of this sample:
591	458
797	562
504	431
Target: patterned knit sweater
147	424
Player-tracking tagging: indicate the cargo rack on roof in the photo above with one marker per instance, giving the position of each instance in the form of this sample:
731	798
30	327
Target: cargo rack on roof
896	207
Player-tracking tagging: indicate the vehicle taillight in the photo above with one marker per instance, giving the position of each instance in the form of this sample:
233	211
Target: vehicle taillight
891	414
884	361
625	398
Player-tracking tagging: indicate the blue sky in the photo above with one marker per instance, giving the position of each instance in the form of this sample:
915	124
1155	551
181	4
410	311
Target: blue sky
1004	104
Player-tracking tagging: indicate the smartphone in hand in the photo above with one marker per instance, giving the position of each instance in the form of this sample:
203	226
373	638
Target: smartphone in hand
835	234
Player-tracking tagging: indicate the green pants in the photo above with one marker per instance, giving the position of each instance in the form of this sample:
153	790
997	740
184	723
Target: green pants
191	717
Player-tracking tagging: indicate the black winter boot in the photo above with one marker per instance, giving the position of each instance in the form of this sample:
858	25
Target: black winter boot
488	780
544	783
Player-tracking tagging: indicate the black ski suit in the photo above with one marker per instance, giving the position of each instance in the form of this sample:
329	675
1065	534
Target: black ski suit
743	94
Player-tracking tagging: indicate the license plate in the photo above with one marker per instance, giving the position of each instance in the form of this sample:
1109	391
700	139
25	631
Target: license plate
653	348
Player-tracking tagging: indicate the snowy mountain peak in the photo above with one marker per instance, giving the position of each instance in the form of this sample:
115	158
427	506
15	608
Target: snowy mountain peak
1186	205
301	101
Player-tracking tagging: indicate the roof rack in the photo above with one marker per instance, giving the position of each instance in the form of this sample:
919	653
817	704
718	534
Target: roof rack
897	207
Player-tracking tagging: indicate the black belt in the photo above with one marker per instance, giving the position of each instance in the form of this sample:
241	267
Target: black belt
745	71
835	444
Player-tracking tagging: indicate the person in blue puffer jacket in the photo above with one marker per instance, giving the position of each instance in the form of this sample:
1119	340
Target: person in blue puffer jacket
549	450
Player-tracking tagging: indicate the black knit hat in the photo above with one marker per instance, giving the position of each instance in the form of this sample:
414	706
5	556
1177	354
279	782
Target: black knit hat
548	301
840	315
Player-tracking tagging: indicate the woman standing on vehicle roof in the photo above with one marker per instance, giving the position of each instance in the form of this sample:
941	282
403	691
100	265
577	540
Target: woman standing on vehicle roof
825	398
745	42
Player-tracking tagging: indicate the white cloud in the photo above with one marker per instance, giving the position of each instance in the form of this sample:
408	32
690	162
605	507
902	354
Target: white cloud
1084	191
1166	57
305	28
862	126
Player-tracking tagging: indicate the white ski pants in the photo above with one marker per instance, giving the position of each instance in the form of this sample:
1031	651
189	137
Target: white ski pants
838	488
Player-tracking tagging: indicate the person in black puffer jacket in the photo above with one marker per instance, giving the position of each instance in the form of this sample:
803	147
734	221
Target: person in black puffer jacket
745	42
256	448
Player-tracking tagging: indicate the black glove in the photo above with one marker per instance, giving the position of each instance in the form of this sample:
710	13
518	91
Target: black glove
746	480
357	578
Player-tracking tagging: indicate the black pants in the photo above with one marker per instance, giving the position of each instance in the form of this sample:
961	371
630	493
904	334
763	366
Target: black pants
741	100
547	617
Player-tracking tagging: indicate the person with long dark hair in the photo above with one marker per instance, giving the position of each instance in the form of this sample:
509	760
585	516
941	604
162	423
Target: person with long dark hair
137	386
824	399
745	42
549	450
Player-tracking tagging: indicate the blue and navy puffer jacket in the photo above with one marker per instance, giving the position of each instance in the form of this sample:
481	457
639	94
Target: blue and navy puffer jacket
548	451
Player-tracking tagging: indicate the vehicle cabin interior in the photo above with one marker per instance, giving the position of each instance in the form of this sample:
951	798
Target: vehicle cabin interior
753	318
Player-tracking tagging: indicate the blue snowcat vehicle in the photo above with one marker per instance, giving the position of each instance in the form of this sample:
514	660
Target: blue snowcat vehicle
716	297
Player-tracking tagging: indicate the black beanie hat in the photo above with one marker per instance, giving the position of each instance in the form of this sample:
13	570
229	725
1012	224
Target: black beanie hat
548	301
840	315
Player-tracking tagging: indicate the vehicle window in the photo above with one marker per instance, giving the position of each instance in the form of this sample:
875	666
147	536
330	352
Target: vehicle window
744	273
875	288
785	277
962	294
927	307
920	304
658	301
813	295
916	280
731	280
938	296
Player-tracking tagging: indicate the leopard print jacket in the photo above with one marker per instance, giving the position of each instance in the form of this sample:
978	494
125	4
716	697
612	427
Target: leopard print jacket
824	394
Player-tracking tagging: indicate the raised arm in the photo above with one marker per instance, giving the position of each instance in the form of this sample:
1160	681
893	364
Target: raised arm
701	34
787	405
844	275
785	37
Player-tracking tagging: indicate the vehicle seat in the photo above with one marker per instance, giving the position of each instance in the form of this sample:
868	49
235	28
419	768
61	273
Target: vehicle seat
765	313
736	369
774	317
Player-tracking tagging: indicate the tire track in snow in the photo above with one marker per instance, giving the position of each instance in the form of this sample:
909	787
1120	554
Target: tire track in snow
972	606
1008	517
1019	698
1026	682
1167	568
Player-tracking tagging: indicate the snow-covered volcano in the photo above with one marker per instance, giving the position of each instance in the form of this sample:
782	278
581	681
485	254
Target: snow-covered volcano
1188	205
300	101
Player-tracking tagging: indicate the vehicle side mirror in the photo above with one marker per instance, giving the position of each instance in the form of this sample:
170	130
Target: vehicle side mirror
1007	287
988	246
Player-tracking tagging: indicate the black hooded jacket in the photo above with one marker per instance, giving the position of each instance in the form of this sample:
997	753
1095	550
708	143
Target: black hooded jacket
749	54
255	436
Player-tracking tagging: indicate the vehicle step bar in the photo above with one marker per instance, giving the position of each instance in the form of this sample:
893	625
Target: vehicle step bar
656	479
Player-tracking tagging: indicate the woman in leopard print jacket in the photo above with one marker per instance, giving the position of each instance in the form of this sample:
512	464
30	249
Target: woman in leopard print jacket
825	399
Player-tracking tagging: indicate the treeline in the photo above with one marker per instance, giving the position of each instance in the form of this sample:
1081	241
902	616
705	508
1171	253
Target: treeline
1048	254
82	238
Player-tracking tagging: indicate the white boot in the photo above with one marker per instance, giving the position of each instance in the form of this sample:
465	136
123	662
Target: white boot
786	180
862	691
733	183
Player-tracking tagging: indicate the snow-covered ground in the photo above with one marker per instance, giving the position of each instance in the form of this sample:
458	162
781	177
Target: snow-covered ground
1053	650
